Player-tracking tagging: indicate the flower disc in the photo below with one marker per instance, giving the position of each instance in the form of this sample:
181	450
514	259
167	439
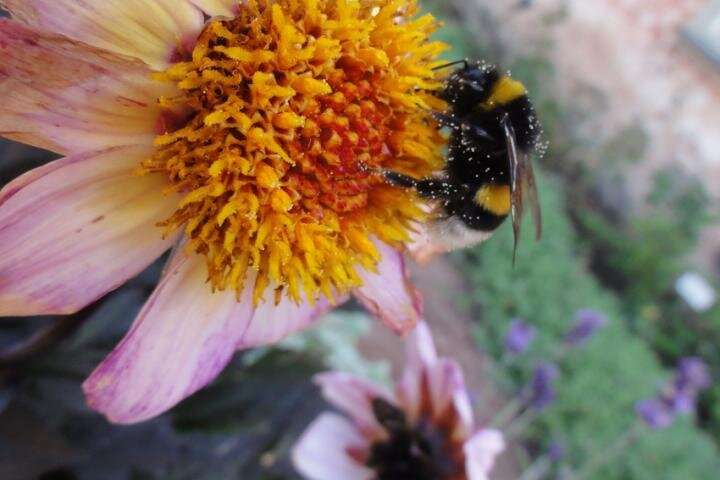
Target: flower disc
286	116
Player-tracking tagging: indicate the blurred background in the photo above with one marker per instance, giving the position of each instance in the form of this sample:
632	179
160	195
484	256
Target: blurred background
629	95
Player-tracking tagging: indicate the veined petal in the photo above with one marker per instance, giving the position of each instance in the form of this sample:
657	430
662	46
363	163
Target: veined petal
214	8
354	396
151	30
389	294
323	452
69	97
180	341
480	453
272	322
77	228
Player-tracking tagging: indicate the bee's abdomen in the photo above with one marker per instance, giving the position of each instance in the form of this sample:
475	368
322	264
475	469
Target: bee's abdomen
474	215
479	219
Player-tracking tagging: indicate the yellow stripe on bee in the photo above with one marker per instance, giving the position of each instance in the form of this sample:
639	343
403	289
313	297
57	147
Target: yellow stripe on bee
494	198
504	91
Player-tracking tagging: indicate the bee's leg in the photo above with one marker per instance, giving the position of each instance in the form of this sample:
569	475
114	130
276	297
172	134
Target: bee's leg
426	188
400	180
436	189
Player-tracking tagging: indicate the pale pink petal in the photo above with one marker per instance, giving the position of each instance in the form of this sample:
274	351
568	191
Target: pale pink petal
69	97
77	228
434	386
273	322
180	341
213	8
480	453
420	348
388	293
150	30
419	354
448	396
354	396
323	452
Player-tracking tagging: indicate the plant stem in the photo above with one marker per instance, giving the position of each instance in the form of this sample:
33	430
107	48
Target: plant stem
538	469
606	456
507	414
520	423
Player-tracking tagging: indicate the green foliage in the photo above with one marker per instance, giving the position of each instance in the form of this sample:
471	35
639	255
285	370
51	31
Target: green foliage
335	339
639	256
643	255
600	382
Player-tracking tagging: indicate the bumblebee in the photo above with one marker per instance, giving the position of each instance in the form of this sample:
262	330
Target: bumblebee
488	175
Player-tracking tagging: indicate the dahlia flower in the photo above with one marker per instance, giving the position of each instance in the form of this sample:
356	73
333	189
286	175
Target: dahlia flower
247	136
424	431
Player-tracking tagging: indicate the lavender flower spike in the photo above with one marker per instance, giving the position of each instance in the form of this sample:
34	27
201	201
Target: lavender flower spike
519	337
556	451
692	375
656	413
542	386
587	323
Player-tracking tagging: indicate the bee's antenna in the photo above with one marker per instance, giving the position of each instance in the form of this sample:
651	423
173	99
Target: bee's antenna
452	64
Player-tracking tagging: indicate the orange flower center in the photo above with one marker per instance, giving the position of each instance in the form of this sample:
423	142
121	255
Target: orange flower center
288	112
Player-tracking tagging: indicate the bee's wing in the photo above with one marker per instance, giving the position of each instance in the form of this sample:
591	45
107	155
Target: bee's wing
522	186
532	196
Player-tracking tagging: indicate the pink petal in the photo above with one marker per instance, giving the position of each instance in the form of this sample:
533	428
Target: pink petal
183	338
420	348
323	451
150	30
419	354
389	294
213	8
433	383
77	228
180	341
480	453
449	397
354	396
69	97
273	322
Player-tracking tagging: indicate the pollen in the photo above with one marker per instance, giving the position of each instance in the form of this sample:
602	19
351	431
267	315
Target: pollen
289	112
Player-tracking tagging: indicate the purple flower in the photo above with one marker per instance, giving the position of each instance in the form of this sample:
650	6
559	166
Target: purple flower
586	324
519	337
692	375
682	402
556	451
656	413
679	397
542	386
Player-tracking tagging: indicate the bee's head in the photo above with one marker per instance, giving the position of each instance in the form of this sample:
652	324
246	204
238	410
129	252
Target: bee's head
470	85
